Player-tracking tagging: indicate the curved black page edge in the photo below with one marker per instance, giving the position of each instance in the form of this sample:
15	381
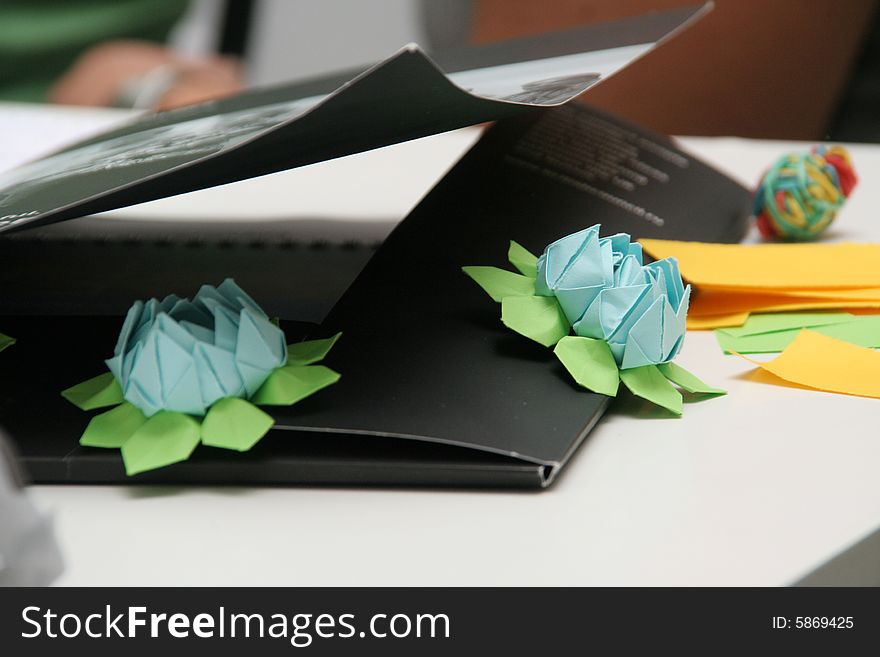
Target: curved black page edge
472	109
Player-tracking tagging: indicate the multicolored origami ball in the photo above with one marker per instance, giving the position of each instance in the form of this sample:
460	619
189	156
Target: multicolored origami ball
800	195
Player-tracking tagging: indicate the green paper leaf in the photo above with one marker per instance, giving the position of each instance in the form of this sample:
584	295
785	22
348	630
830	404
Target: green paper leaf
100	391
112	428
590	362
311	351
647	382
292	383
538	318
500	283
687	381
526	263
167	437
6	341
772	322
862	330
233	423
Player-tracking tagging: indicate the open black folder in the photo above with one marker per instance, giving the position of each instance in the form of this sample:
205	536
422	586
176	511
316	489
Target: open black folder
435	391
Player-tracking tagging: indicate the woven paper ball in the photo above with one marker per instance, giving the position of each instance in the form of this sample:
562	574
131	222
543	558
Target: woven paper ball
800	195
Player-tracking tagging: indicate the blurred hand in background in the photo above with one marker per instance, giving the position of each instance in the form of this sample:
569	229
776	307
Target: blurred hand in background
144	74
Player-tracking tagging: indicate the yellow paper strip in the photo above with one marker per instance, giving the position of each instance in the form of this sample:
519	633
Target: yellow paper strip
707	322
840	294
716	303
817	361
763	266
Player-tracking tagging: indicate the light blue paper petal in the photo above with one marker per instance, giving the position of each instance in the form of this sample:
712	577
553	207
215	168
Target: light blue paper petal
575	301
241	299
646	334
675	348
619	244
167	304
617	350
591	265
132	320
253	377
670	331
219	366
671	279
151	309
542	286
645	301
198	333
607	260
260	343
635	250
208	297
174	361
633	355
140	398
186	310
629	272
128	362
144	324
115	366
185	396
225	327
175	332
610	309
209	380
145	372
560	254
682	309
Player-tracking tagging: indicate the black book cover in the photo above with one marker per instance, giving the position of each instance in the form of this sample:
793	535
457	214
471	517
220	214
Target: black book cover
406	96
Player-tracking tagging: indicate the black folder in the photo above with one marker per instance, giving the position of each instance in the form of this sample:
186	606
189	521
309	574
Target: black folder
434	390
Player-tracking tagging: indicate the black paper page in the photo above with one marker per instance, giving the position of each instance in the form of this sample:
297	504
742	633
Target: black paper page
405	97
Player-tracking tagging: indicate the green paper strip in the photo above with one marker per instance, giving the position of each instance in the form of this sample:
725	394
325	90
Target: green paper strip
112	428
290	384
525	262
538	318
165	438
770	322
233	423
647	382
860	330
687	381
590	362
98	392
310	351
499	283
6	341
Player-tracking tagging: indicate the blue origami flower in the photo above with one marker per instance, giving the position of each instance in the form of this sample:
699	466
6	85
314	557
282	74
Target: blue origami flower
628	318
181	355
607	293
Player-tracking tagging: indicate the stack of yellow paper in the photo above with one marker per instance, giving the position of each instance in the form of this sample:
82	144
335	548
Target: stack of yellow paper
733	280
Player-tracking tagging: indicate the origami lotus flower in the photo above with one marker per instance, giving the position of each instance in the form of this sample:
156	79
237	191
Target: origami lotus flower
188	372
182	355
608	294
628	318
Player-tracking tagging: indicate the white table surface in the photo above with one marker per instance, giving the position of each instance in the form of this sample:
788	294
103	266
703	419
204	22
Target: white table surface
755	488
